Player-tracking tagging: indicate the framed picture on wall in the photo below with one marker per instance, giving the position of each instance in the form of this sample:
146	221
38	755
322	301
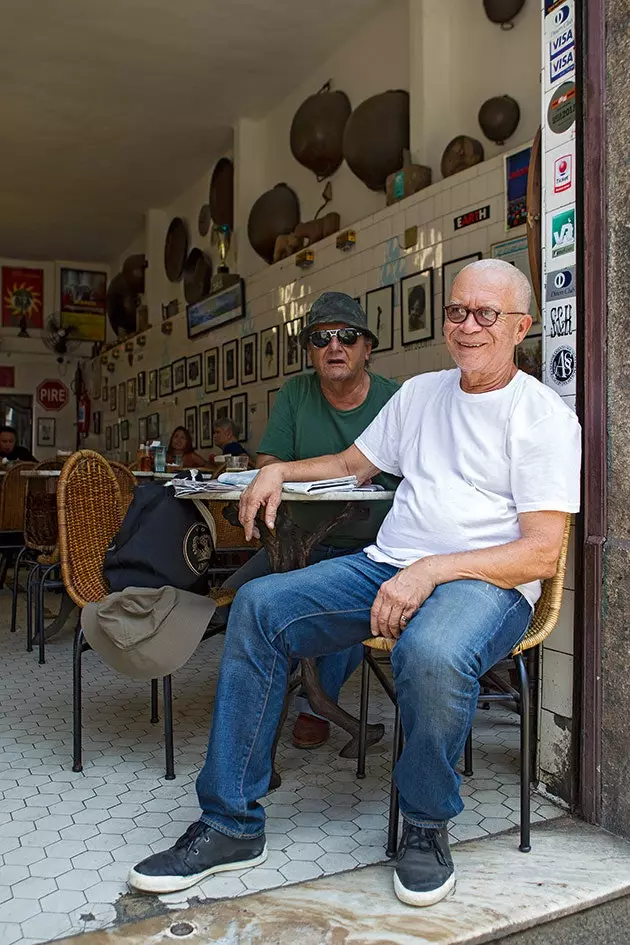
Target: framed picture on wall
179	374
165	384
450	270
194	377
379	307
222	409
153	385
124	430
108	438
205	426
211	358
131	395
105	390
122	399
515	252
46	431
249	359
416	307
113	400
96	422
141	384
218	309
269	355
115	436
229	357
291	350
153	426
529	356
190	422
238	408
142	430
271	399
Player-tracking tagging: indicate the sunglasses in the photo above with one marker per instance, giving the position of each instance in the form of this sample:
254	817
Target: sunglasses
323	336
485	317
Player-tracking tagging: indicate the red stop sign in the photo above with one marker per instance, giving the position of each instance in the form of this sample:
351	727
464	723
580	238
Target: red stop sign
52	395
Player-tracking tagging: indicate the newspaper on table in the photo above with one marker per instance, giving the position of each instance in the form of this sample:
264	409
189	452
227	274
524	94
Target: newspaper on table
240	480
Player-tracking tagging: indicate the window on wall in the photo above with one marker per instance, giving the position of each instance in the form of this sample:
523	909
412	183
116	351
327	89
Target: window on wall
16	410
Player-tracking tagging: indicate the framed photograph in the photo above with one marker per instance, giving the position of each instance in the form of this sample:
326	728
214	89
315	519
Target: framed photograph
113	400
379	306
179	374
142	430
96	422
116	436
194	377
416	307
122	399
218	309
515	251
238	408
82	301
141	384
249	359
108	438
269	354
153	426
190	422
131	395
271	399
205	426
229	357
124	430
105	389
291	351
450	270
529	356
222	409
165	382
153	385
47	430
211	358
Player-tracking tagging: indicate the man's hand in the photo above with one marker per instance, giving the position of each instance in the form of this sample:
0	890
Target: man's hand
264	490
399	598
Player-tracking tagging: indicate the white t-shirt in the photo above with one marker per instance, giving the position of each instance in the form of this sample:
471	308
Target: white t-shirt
470	464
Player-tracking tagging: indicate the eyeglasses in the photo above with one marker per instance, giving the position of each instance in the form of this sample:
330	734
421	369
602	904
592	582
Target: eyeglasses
485	317
323	336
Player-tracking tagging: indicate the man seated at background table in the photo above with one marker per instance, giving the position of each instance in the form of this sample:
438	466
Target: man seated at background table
490	460
225	436
9	449
315	414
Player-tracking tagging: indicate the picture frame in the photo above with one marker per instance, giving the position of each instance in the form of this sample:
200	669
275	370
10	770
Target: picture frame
222	409
116	436
83	302
124	430
292	352
122	399
131	395
153	385
179	375
165	381
153	426
269	353
108	438
416	307
47	431
249	359
238	412
96	422
141	384
221	307
515	251
190	423
113	398
451	269
229	363
206	426
379	308
271	399
194	375
142	430
105	390
529	355
211	370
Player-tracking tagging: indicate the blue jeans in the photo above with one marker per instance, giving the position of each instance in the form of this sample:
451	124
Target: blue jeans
462	630
333	670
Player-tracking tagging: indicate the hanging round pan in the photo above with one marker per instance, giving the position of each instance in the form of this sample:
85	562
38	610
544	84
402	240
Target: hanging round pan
197	276
222	193
175	249
203	220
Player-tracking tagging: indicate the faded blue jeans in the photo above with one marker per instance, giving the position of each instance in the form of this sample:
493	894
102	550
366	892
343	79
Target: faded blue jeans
460	632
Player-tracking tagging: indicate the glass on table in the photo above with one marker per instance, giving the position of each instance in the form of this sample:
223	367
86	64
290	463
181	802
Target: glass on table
236	463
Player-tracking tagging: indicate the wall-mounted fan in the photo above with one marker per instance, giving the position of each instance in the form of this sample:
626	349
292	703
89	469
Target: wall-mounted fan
58	338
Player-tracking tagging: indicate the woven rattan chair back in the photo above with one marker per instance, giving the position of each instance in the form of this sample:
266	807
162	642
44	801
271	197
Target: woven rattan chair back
40	521
89	509
228	536
126	483
14	498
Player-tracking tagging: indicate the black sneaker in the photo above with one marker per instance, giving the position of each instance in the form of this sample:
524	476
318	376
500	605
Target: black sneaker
198	853
424	872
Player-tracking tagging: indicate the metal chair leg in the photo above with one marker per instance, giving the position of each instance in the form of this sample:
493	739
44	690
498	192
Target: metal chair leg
77	764
525	845
363	717
30	584
14	589
154	702
168	729
468	756
39	613
4	567
394	810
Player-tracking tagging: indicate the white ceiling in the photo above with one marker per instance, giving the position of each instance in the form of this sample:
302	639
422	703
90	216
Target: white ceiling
108	108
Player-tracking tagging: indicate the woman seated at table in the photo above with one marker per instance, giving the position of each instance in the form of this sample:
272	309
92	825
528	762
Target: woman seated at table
180	450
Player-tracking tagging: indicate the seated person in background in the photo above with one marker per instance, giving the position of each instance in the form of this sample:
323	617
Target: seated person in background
315	414
181	448
490	465
10	451
225	435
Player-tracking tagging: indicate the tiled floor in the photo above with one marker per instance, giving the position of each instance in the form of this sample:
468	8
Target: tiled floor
67	840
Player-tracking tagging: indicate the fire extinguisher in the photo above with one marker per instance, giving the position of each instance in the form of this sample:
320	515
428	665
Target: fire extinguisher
83	413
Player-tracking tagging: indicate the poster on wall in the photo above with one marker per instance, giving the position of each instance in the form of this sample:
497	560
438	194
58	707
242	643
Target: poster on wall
515	251
82	303
516	173
22	297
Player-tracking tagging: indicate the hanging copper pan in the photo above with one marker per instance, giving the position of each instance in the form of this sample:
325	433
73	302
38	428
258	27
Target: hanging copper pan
534	242
461	153
222	193
121	305
503	11
316	136
203	220
133	270
275	213
197	276
175	249
375	137
499	117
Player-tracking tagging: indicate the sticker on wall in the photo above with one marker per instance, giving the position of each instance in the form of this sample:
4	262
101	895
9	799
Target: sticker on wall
516	174
563	232
562	322
480	215
563	173
560	284
551	5
561	110
562	365
562	13
560	33
562	65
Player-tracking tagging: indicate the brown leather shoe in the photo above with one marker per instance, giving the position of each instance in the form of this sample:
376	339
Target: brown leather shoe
309	732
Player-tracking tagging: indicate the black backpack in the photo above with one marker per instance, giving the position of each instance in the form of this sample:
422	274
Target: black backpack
162	541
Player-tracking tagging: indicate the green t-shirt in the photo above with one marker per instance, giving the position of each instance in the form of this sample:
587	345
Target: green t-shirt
303	425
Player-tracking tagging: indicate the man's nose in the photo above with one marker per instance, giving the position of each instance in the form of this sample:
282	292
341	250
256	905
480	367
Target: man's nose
335	344
469	324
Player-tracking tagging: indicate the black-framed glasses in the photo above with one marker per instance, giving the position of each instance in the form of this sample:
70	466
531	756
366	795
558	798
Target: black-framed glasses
485	317
323	336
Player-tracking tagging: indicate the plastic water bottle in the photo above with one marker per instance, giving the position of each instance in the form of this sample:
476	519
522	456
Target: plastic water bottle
160	459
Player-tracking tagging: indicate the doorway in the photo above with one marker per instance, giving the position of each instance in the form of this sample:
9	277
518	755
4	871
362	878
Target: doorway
16	410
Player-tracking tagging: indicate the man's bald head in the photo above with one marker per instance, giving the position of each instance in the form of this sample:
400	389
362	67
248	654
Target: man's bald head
509	276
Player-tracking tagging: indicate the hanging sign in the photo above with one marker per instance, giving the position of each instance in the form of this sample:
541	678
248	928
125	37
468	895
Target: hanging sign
472	216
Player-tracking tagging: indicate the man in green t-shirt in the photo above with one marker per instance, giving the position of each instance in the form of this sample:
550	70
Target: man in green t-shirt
313	415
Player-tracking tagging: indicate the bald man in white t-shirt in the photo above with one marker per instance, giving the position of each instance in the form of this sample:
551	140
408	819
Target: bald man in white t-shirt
490	465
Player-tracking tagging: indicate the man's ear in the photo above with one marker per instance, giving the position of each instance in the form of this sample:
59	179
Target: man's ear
524	324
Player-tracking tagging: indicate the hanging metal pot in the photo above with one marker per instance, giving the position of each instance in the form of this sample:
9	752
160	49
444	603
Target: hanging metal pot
203	220
222	193
121	305
317	131
460	153
276	212
133	270
175	249
499	118
375	137
503	11
197	276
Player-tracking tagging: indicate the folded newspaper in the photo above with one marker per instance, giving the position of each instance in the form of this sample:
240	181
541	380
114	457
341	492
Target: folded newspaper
240	480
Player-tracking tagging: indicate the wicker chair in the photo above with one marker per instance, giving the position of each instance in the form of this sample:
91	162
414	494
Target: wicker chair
126	482
231	546
543	621
12	509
